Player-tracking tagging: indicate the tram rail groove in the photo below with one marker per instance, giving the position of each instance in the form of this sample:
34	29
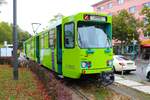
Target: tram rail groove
79	93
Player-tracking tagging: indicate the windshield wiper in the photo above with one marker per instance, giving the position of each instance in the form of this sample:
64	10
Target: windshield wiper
80	41
108	42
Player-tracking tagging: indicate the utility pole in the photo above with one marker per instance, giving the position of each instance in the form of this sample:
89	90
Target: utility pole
15	41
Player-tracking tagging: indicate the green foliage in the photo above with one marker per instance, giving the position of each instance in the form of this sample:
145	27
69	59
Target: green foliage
146	13
6	34
125	27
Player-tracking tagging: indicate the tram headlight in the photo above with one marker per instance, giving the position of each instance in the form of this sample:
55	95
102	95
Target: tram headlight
110	63
86	64
83	64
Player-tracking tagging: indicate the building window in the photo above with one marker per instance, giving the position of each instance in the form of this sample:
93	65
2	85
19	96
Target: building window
110	5
132	9
100	8
147	4
147	35
69	35
120	1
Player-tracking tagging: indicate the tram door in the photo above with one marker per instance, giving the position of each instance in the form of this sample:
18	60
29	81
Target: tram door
59	49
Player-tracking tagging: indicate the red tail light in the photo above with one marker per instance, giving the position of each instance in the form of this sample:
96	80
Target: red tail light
122	64
84	72
86	17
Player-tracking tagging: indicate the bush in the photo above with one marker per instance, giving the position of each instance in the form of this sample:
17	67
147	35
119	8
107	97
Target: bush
54	87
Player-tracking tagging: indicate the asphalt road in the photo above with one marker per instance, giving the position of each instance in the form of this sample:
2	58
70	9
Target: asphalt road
139	74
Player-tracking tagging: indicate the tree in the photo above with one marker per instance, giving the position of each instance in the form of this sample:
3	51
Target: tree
146	12
6	34
124	28
22	36
54	20
56	17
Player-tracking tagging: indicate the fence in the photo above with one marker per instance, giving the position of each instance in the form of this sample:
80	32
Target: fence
6	55
6	52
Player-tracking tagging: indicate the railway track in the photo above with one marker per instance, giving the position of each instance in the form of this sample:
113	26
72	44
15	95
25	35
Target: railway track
91	93
76	87
79	93
83	89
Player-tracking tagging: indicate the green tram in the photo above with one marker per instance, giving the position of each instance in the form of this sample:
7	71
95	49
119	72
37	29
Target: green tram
75	46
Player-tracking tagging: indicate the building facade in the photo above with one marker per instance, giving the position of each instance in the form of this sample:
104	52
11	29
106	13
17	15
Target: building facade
112	7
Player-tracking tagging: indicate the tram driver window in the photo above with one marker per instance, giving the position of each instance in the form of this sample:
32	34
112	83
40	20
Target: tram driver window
69	35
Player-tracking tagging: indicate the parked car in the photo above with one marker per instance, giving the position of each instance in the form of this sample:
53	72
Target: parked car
148	72
122	63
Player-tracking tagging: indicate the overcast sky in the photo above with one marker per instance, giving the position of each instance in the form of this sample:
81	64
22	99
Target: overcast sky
29	11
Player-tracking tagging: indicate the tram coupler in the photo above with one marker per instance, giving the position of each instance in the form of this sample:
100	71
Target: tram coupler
106	78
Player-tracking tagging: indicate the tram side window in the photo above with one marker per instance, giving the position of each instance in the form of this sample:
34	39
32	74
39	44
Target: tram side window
69	35
42	41
52	38
46	41
32	44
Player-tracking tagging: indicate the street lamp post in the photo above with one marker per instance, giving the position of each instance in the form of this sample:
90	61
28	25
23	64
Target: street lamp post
15	42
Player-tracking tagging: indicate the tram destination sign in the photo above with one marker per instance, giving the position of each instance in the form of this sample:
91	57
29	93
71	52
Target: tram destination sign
95	18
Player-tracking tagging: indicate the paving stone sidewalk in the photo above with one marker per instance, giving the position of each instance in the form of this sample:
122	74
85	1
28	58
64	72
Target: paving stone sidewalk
133	84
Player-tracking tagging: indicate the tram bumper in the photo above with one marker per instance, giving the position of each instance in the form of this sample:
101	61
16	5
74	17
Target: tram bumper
104	76
96	71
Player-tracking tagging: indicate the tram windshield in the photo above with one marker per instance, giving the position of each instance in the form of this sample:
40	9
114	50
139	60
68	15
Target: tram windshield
93	35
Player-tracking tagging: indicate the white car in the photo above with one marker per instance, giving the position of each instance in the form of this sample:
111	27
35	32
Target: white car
121	63
148	72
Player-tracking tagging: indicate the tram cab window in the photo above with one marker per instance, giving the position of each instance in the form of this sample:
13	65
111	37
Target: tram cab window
93	35
69	35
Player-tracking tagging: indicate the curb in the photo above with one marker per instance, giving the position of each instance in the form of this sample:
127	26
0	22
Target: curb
133	84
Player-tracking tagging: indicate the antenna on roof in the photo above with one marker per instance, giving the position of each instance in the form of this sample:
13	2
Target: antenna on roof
35	27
